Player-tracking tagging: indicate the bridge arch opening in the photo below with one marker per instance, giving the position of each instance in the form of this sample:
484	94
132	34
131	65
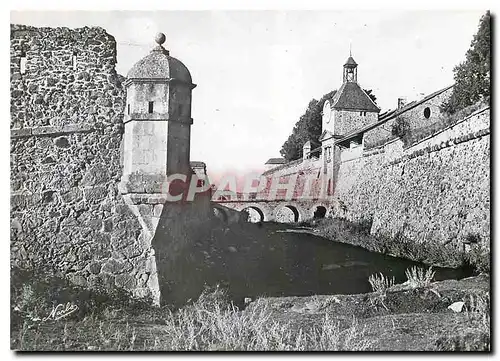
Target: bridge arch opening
287	214
255	214
320	212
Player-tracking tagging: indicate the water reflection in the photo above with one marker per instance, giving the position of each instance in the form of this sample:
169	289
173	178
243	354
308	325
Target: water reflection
254	260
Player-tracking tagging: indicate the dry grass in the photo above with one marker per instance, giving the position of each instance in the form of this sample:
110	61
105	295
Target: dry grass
379	282
209	324
478	309
419	277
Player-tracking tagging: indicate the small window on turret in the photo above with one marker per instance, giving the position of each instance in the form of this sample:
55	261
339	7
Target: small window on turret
22	64
150	109
128	109
73	60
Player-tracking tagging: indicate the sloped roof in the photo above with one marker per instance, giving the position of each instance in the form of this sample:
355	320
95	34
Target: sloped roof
276	161
391	114
394	113
351	97
326	133
160	65
350	61
282	166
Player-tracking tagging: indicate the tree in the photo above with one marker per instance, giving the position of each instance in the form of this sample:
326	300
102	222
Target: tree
308	128
472	77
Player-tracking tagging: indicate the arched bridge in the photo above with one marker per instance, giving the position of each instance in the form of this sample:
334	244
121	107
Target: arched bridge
278	210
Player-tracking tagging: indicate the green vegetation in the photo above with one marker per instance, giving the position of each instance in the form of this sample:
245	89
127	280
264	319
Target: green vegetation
472	77
308	128
400	127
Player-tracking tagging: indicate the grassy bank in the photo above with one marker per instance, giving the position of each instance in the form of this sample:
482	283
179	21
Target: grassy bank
431	253
114	321
410	316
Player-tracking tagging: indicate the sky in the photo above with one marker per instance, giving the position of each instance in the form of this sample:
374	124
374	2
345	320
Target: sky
256	71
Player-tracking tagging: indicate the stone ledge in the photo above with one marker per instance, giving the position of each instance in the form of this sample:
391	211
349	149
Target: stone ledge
148	198
51	131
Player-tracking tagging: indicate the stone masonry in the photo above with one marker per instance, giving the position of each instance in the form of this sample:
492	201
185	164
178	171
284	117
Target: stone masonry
66	132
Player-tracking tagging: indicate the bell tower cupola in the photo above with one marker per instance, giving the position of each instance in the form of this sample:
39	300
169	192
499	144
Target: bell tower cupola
350	70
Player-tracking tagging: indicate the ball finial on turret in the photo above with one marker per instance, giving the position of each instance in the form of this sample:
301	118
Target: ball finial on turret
160	38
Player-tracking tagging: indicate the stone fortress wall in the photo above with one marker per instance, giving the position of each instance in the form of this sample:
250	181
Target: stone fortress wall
436	190
66	133
300	170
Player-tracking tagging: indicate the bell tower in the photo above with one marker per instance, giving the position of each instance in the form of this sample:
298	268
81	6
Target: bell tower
350	70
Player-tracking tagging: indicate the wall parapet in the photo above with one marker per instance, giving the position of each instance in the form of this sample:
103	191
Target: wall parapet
437	147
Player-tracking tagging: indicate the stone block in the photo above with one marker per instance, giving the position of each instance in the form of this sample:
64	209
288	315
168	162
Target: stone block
122	209
95	194
158	208
97	174
131	251
125	281
107	225
62	142
112	266
95	268
78	280
23	132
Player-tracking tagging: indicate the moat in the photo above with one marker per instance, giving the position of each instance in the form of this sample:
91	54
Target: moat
270	259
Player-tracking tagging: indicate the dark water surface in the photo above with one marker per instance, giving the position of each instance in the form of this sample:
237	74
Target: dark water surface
283	260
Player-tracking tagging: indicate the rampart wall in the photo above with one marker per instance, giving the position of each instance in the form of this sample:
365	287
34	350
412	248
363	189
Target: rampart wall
66	133
436	190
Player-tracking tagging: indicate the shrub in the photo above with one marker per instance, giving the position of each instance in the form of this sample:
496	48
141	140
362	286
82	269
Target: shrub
419	277
379	282
213	323
478	258
478	309
400	127
365	225
473	238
